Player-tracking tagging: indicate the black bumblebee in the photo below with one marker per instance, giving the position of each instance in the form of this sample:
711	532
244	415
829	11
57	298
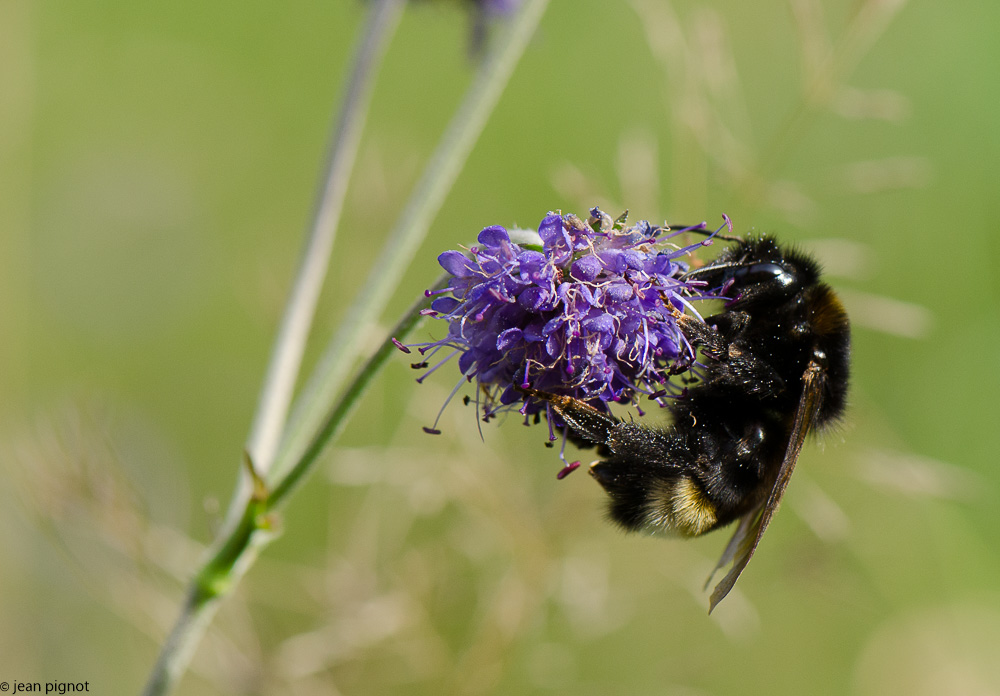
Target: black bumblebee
776	365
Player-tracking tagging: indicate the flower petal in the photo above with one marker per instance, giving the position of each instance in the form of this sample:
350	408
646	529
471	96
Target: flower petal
550	229
602	322
508	338
457	263
494	236
586	268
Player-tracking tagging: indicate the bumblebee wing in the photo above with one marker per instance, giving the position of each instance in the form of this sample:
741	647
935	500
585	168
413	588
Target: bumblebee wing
752	525
737	543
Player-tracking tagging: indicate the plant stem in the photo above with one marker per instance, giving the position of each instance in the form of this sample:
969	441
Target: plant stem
235	553
286	358
246	524
407	235
231	559
318	417
335	421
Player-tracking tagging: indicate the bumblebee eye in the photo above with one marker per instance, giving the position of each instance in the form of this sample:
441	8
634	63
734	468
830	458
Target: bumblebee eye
764	273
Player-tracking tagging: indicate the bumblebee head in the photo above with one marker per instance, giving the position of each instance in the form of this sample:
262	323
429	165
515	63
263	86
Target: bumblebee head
757	271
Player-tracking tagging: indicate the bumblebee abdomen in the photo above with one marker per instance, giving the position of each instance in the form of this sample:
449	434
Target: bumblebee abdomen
831	334
659	502
827	316
681	506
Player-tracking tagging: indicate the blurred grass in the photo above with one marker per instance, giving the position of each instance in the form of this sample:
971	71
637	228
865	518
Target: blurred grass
157	167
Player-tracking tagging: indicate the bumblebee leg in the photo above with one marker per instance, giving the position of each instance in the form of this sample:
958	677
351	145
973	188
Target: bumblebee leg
583	419
737	364
701	333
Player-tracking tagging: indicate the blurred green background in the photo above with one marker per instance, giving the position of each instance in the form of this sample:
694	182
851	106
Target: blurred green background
158	163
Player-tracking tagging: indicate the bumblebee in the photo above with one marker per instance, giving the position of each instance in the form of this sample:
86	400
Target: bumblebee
775	368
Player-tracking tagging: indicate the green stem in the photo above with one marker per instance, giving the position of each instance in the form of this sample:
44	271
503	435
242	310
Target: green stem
406	237
229	562
237	551
319	417
246	522
196	615
335	421
286	358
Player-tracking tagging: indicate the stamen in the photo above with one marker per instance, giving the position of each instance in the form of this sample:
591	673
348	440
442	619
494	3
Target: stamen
432	370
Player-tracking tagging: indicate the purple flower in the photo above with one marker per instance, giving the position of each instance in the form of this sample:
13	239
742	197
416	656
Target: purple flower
582	309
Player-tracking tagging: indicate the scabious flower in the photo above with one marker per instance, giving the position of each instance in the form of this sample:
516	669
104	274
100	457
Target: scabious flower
581	309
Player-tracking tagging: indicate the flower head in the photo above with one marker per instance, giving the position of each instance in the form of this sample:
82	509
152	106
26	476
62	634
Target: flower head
582	308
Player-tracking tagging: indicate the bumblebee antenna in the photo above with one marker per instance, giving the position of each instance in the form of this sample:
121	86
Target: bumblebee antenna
702	228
